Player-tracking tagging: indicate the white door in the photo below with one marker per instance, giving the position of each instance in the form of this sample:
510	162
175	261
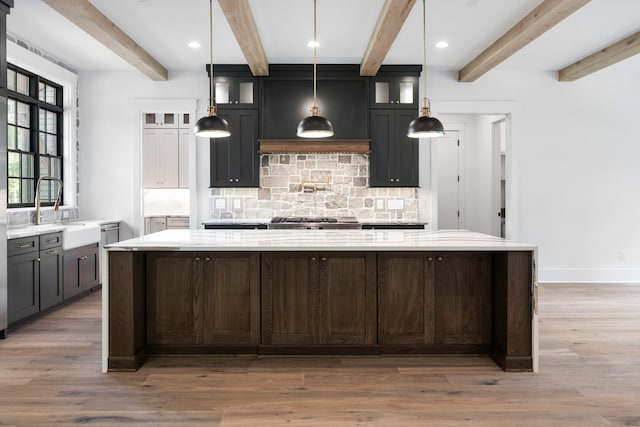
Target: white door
449	181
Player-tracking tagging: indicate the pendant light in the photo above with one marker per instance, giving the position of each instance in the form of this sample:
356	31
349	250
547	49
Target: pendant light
425	126
314	126
212	126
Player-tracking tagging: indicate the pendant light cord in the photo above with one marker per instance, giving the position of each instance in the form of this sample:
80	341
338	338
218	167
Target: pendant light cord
424	50
315	44
212	99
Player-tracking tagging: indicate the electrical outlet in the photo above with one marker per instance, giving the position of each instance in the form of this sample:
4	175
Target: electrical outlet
65	214
236	204
379	204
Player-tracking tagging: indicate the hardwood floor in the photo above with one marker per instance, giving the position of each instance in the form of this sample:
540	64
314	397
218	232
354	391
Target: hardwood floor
589	376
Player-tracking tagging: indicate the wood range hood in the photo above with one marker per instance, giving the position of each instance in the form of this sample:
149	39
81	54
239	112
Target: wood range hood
301	145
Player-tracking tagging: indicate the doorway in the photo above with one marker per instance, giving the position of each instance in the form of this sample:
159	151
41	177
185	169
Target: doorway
499	132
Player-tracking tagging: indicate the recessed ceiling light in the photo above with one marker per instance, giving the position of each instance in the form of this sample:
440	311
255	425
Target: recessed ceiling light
442	44
194	45
313	43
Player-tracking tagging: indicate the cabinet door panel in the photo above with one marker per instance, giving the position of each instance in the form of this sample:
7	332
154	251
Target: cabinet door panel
463	295
290	298
381	158
50	278
405	151
89	267
229	292
405	299
348	284
23	286
172	299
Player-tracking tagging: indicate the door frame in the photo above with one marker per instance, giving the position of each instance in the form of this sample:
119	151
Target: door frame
497	153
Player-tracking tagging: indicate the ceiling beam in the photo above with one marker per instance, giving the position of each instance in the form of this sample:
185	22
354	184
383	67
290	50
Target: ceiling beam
86	16
545	16
617	52
240	18
390	21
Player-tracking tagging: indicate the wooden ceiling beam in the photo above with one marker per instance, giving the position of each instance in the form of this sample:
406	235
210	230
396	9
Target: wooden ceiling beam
617	52
86	16
240	18
538	21
390	21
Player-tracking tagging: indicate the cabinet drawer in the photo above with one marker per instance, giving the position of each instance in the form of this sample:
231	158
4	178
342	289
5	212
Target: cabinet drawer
50	240
177	222
22	245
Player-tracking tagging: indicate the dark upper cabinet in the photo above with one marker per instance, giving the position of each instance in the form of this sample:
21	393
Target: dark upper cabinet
235	86
394	156
235	160
395	86
287	98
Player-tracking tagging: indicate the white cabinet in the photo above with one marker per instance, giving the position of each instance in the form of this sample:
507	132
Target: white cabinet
153	224
166	150
161	158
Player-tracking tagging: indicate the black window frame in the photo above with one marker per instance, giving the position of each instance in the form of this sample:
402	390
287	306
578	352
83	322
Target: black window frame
35	106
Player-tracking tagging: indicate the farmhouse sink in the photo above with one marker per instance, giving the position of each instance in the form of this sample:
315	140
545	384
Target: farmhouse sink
76	234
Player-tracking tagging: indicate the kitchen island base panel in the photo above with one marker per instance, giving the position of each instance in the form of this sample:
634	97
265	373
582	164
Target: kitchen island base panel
511	308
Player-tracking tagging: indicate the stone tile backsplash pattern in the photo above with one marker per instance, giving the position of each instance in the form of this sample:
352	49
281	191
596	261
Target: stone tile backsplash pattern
333	184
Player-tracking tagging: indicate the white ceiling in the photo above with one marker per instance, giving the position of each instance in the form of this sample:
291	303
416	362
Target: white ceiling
164	27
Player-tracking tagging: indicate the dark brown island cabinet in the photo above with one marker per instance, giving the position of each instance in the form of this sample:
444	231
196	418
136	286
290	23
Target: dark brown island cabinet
321	302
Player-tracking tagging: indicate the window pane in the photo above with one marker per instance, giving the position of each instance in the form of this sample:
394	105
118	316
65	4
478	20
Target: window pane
382	92
51	122
222	93
56	164
41	91
27	166
42	142
169	119
11	111
27	191
24	143
22	84
42	120
14	190
406	93
52	146
13	167
246	93
23	114
11	80
51	95
44	166
12	141
149	118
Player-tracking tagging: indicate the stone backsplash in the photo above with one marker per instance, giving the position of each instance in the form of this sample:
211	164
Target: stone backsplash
315	185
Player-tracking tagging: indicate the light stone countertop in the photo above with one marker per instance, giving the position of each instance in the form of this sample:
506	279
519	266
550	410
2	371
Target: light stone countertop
20	231
315	240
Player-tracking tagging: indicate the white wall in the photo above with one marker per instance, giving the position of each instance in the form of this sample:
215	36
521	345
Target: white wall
574	152
574	176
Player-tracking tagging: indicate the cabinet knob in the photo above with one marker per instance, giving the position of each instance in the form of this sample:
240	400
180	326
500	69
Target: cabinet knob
324	258
207	258
313	258
430	258
230	179
37	259
439	258
236	102
197	258
237	179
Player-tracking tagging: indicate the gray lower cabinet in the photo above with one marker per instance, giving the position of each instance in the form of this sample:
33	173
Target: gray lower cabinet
34	272
81	270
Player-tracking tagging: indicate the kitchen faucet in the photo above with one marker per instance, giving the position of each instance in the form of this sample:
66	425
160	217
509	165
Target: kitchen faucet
56	205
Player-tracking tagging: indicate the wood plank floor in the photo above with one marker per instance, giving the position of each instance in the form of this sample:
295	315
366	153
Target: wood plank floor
589	376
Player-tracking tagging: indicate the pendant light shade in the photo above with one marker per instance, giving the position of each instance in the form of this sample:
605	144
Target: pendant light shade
211	126
314	126
425	126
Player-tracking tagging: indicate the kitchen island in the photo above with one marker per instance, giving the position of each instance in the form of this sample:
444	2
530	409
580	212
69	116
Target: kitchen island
370	292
